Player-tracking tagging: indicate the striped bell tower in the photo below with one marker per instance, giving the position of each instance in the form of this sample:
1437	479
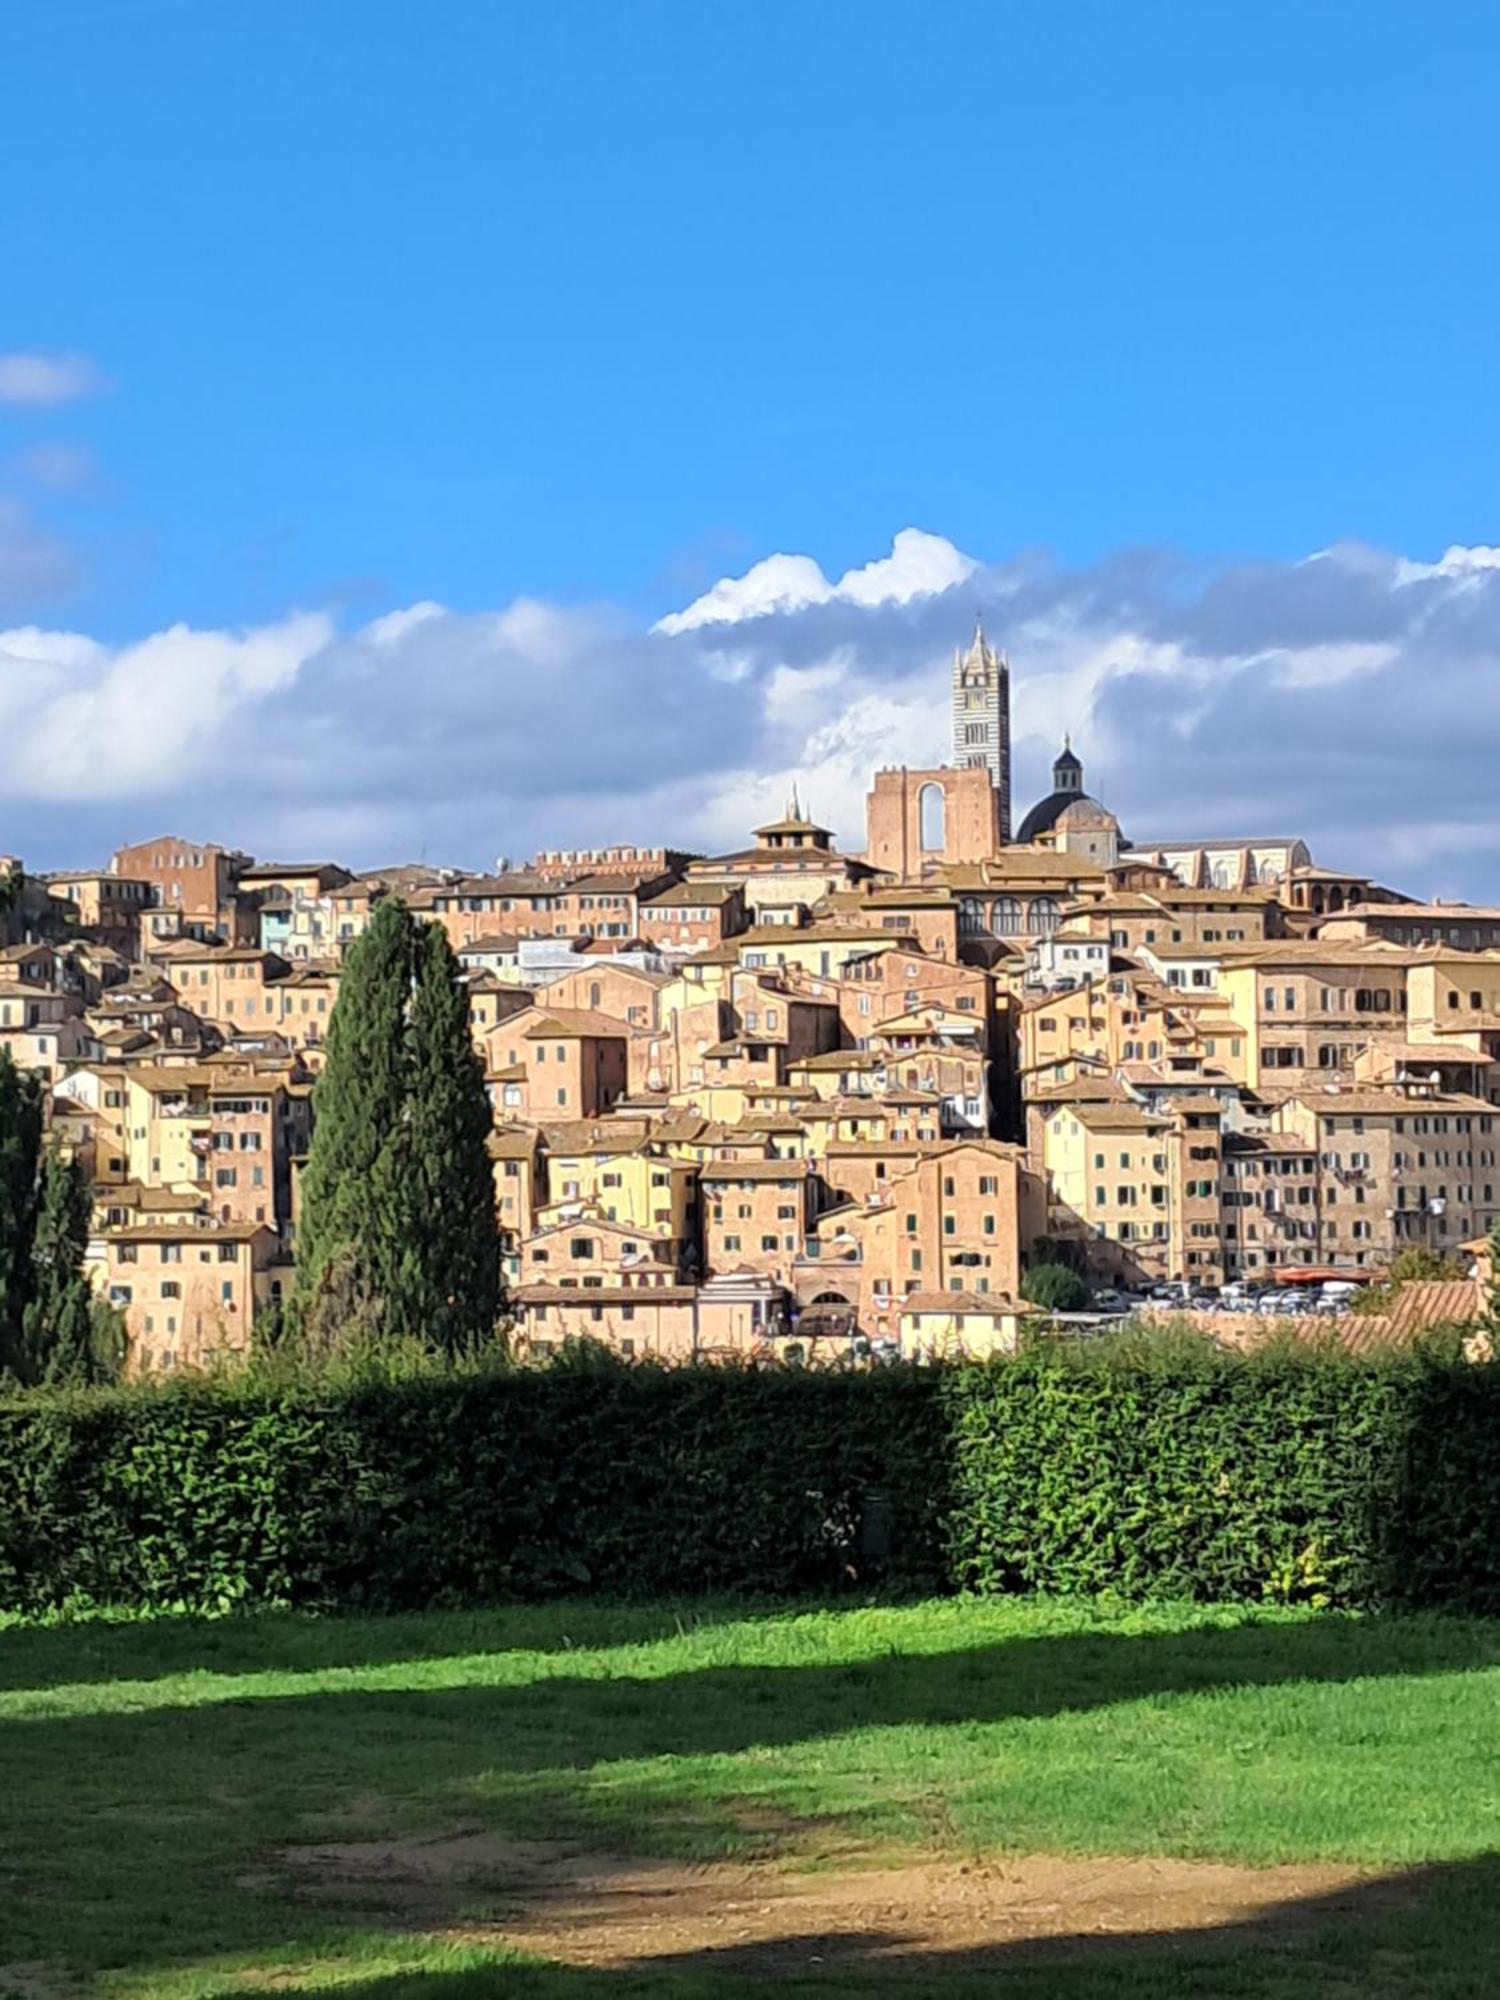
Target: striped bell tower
981	717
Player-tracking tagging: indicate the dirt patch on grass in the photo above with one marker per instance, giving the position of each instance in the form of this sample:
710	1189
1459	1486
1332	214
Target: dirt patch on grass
592	1909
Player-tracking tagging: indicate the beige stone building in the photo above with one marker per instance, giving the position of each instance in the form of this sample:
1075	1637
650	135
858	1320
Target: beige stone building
1406	1167
189	1292
557	1062
757	1215
950	1222
1309	1007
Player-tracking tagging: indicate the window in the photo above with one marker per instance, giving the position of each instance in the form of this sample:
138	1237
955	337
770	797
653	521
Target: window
932	819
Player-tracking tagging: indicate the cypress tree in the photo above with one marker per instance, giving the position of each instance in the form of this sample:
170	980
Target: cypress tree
349	1234
20	1148
452	1180
398	1235
61	1330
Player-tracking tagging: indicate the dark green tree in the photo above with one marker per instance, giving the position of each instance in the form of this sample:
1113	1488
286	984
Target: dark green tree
398	1236
20	1149
52	1328
64	1330
452	1178
1055	1288
346	1244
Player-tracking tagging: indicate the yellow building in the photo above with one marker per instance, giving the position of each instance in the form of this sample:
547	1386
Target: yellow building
1308	1007
638	1186
959	1326
1108	1173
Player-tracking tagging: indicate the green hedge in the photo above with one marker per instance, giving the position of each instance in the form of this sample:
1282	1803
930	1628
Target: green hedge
1319	1480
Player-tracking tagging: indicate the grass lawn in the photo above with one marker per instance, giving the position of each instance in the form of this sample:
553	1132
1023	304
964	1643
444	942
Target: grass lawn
153	1774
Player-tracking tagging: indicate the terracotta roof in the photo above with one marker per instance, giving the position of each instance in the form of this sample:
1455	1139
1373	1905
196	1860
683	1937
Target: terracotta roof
1267	1142
965	1303
689	894
512	1142
188	1232
755	1170
1375	953
568	1024
1120	1118
1424	1302
489	944
1022	867
1443	913
604	1295
1429	1052
1384	1103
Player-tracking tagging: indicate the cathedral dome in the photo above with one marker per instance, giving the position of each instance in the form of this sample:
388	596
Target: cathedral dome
1045	814
1067	790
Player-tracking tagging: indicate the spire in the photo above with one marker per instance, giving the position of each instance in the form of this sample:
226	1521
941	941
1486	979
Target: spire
794	810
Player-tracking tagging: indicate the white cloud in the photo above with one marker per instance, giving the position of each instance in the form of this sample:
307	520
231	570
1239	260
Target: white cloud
1350	699
917	565
778	583
396	624
47	379
1456	561
85	721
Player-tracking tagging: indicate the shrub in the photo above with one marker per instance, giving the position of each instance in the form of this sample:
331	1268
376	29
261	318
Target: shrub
1055	1288
1147	1469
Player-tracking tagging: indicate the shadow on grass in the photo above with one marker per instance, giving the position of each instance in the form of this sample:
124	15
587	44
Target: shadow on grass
154	1648
1430	1933
131	1830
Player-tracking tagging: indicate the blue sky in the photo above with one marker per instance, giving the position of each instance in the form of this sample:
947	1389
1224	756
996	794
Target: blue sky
595	304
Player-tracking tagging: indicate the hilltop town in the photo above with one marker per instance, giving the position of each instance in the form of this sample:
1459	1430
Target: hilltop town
791	1093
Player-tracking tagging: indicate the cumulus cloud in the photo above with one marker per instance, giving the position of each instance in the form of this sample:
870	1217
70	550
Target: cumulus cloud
1349	698
47	379
917	565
